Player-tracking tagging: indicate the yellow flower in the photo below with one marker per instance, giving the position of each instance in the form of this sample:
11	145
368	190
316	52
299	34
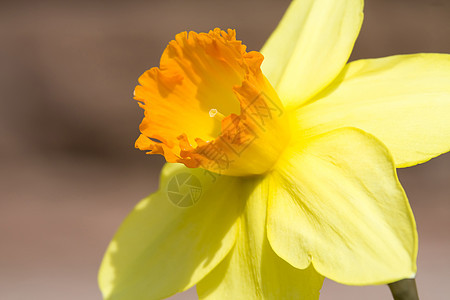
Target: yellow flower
281	176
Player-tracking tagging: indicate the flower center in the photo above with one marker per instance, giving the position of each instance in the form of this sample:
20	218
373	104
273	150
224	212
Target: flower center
208	105
214	113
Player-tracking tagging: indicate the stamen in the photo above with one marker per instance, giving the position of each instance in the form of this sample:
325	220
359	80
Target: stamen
214	113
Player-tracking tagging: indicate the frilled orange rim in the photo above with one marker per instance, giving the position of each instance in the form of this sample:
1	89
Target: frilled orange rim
207	103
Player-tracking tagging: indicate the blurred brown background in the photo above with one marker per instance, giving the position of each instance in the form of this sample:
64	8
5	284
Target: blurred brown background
68	171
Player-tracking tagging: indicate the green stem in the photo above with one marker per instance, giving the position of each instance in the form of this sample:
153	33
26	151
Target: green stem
404	290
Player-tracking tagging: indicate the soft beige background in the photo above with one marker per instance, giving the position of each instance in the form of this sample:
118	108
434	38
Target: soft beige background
68	170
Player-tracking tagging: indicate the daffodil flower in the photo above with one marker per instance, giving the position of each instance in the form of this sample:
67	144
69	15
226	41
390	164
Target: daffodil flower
288	157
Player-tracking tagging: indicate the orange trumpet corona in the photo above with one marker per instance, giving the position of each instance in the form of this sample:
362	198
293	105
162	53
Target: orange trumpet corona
209	106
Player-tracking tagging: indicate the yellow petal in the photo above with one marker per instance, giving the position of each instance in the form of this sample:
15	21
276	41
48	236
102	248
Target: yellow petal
310	46
403	100
174	237
252	271
339	205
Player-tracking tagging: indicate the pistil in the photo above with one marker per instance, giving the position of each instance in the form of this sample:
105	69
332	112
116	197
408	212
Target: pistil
214	113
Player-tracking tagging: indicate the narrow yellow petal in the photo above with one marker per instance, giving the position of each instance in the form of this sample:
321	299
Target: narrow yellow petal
252	271
310	46
174	237
338	205
403	100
